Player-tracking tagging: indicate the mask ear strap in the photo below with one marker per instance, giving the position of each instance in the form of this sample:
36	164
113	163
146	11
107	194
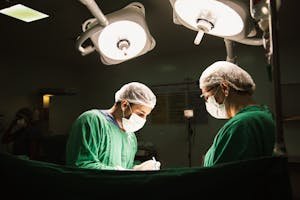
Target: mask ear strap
123	110
217	90
129	106
225	84
123	114
226	92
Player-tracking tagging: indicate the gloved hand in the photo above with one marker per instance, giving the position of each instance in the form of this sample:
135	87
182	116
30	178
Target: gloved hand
147	165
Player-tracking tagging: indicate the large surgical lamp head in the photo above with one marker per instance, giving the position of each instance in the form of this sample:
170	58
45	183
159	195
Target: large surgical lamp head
223	18
118	36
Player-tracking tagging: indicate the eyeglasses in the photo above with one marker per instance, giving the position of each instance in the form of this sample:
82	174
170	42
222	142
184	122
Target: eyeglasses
210	89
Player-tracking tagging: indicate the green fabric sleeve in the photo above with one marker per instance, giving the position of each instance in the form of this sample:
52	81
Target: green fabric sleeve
231	144
87	131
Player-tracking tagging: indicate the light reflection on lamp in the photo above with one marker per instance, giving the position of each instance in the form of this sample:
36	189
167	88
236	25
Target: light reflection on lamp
222	18
123	36
122	40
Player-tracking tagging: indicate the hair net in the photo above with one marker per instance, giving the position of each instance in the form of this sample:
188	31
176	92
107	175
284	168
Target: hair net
136	93
223	71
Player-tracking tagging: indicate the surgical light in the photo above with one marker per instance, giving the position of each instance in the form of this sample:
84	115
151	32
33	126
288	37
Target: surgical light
122	40
118	36
222	18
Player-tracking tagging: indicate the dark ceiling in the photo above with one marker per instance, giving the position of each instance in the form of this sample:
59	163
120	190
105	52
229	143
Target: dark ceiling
53	38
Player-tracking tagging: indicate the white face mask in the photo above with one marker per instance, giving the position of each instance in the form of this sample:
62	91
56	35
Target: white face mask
216	110
134	123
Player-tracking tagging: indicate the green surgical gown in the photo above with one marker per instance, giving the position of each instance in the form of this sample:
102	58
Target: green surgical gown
98	143
249	134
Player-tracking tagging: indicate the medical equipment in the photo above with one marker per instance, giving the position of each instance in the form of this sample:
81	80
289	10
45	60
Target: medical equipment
118	36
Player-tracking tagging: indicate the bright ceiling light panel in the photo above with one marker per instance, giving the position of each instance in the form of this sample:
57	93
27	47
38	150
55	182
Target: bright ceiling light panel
23	13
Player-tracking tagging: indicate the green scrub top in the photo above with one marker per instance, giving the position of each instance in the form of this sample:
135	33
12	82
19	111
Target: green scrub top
96	141
249	134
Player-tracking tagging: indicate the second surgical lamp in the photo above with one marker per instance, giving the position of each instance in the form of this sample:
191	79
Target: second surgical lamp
229	19
118	36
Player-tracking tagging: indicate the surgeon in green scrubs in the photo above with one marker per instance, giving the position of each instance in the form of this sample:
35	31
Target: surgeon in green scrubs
105	139
250	130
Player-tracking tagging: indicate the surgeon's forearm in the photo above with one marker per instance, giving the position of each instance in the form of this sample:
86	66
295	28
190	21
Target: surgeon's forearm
97	165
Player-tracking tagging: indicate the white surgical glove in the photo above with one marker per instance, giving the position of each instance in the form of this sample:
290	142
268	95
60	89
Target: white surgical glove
147	165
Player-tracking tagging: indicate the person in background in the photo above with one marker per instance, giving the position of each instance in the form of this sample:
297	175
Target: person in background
23	135
250	131
105	139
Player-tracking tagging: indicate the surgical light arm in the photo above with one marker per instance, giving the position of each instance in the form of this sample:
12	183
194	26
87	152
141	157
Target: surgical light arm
102	22
96	11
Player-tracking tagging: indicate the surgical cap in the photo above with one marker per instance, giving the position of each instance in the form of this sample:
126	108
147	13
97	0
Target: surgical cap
136	93
223	71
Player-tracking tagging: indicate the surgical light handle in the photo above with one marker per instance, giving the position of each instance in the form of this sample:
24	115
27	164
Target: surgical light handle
86	35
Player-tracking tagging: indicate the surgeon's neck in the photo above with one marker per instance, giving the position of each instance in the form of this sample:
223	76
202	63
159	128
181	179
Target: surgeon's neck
238	102
117	113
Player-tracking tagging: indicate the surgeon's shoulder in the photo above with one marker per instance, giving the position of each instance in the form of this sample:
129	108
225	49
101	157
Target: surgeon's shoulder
90	115
248	119
262	114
